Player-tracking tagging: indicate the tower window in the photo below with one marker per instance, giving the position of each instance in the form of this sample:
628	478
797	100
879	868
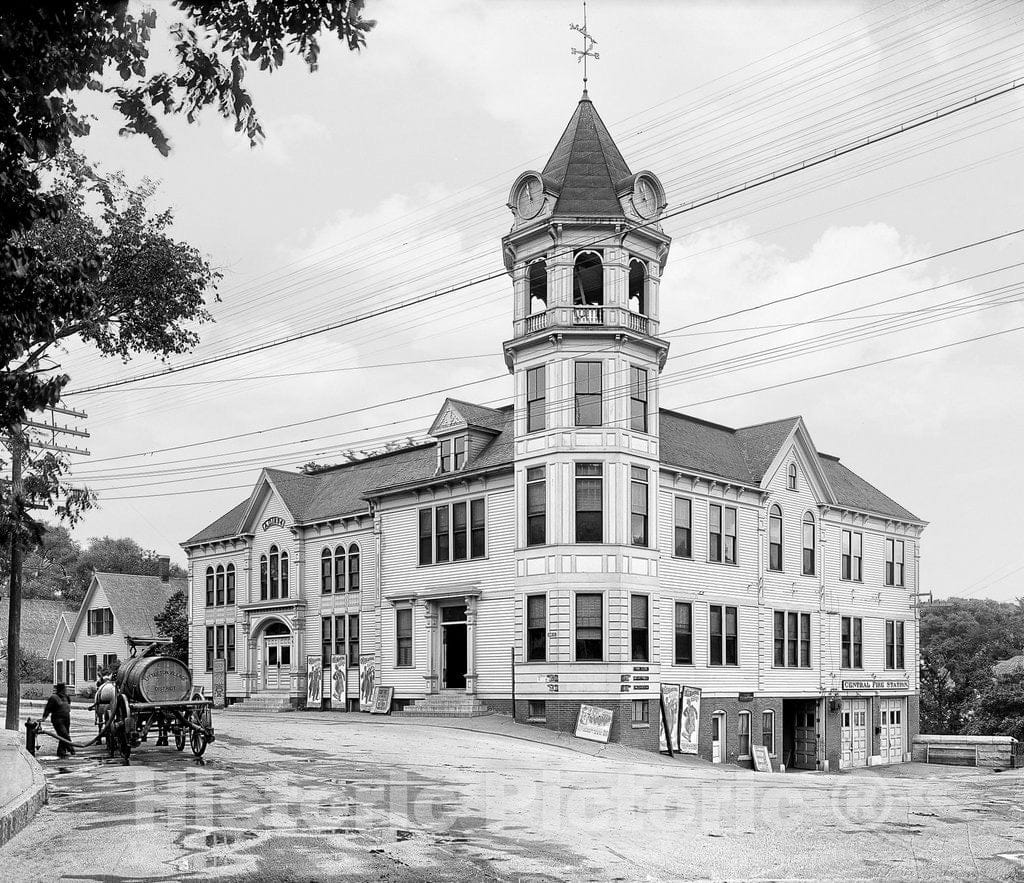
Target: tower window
537	277
536	398
588	393
638	287
638	399
588	280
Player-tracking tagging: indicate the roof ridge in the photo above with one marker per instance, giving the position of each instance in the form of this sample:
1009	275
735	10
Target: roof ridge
699	420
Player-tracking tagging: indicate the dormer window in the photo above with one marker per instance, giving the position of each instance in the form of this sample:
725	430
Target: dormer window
638	287
588	280
537	277
452	453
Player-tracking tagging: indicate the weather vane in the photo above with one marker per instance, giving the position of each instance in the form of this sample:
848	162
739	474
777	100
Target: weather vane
588	45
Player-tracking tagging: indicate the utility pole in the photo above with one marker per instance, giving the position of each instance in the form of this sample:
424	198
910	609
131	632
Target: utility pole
26	435
16	443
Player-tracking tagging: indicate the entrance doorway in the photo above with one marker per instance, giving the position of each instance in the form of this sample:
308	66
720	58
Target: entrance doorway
454	649
717	736
892	734
854	734
800	733
277	657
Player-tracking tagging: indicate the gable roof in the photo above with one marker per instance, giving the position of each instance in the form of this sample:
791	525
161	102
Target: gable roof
853	492
475	416
39	618
586	168
62	628
134	600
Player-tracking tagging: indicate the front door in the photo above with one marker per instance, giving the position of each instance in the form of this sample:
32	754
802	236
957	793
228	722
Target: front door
454	655
891	736
717	735
854	733
805	738
277	662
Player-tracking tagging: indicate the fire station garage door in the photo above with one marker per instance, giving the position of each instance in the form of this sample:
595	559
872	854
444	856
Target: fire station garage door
893	735
855	733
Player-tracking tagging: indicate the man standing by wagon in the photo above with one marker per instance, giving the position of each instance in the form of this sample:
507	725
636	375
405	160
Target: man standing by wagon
58	706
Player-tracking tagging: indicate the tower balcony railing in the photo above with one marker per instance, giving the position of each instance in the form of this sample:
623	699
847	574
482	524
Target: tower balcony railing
586	316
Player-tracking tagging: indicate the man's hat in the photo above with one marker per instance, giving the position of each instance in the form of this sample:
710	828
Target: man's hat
59	687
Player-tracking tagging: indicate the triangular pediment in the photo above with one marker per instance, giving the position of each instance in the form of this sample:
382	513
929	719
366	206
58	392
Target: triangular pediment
449	419
265	496
799	446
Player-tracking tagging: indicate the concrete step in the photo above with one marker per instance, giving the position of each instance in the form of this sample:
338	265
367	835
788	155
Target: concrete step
446	705
264	703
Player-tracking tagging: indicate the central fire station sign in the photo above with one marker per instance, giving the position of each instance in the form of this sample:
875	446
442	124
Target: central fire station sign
876	685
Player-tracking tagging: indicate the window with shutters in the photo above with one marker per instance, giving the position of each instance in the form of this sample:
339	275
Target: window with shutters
536	628
684	633
89	666
639	495
775	538
851	638
683	528
536	398
589	627
852	555
588	393
536	506
403	637
639	628
638	399
589	503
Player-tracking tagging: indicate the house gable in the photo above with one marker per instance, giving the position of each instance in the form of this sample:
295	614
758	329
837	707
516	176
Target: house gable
267	508
799	448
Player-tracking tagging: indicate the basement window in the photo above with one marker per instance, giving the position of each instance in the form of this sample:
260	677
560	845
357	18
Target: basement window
536	710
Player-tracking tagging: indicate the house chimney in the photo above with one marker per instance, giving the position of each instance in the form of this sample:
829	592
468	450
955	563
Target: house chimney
165	568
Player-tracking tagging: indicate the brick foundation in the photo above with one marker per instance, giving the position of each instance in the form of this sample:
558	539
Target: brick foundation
561	714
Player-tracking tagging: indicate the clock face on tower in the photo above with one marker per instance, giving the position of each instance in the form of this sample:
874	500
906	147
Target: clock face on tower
645	197
529	199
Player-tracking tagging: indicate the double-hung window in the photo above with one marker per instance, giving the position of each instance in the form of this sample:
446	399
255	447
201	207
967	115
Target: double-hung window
460	534
231	584
684	633
639	628
792	639
852	555
536	506
743	733
589	627
209	648
220	585
894	551
449	532
588	393
684	528
589	503
638	399
209	588
403	637
809	556
638	503
722	534
852	636
536	399
775	538
768	731
353	639
723	648
894	634
536	628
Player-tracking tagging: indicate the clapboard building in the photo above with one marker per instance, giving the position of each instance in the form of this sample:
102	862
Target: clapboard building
583	535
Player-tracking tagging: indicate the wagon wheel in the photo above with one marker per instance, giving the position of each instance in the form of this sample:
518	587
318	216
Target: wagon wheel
197	733
179	738
120	727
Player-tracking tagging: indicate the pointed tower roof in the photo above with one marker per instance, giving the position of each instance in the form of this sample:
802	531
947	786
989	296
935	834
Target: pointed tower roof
586	167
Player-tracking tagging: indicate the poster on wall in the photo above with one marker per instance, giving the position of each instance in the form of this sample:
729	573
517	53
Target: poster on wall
220	683
367	681
594	723
381	700
689	720
670	694
314	681
339	681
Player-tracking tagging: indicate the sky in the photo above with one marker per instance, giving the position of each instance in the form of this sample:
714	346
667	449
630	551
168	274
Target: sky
385	176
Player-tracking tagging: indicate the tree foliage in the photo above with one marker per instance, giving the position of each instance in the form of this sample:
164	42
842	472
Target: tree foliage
49	565
113	555
999	710
172	622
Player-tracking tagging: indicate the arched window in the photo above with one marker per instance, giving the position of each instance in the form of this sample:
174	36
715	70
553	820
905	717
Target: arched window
231	584
209	587
339	569
264	582
775	538
220	584
284	574
325	572
353	568
537	277
275	583
638	287
808	544
791	478
588	280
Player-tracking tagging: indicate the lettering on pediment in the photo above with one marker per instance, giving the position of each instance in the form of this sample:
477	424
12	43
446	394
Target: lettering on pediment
273	521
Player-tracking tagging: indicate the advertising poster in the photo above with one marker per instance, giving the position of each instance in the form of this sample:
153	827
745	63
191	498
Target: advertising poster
367	681
594	723
689	720
382	697
339	681
670	695
314	681
220	683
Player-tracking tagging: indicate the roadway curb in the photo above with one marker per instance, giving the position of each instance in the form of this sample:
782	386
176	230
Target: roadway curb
29	790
